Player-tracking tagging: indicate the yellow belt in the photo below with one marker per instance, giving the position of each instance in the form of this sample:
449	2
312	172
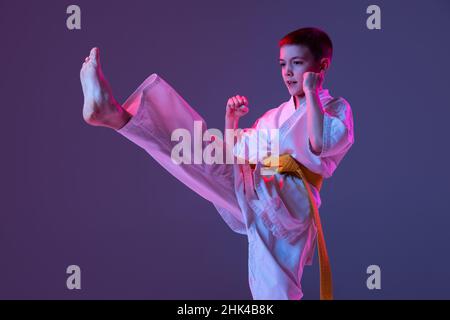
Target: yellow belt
288	165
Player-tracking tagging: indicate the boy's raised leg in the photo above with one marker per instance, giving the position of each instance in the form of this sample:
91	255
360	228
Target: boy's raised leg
148	118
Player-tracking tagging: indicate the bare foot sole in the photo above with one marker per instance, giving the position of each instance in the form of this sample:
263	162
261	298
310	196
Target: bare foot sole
100	108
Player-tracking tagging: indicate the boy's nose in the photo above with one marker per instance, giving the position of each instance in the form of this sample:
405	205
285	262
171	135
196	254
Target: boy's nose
288	71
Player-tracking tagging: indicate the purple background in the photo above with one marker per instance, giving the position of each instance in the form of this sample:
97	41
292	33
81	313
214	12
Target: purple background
75	194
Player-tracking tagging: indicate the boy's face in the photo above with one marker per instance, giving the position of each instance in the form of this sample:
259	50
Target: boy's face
295	60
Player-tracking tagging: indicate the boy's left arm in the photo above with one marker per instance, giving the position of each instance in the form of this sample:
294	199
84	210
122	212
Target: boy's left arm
314	110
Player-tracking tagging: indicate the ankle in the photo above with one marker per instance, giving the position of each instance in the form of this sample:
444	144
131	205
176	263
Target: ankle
121	119
115	118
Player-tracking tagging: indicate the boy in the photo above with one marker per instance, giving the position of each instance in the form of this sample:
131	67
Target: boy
276	214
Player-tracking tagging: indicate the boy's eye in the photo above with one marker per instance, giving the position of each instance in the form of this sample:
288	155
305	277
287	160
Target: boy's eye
295	62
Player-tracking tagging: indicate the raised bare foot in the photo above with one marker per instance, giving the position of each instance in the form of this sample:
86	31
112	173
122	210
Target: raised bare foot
100	108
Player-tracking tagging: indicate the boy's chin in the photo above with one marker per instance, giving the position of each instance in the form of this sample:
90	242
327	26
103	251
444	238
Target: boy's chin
296	92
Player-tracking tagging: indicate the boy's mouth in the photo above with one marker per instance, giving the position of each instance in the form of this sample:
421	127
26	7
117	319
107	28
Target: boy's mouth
291	83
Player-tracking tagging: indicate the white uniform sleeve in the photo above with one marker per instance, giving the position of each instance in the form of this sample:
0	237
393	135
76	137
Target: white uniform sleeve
248	143
337	128
338	136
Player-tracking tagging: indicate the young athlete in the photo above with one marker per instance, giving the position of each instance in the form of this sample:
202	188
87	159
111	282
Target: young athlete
278	214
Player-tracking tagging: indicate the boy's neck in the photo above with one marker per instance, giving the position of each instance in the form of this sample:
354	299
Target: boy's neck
298	100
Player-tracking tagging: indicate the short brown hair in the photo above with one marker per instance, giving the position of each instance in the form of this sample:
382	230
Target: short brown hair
317	41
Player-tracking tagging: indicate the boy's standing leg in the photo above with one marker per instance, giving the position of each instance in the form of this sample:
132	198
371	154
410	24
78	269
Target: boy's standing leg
148	119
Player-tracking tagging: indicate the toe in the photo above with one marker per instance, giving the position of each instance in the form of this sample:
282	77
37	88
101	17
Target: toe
93	52
94	55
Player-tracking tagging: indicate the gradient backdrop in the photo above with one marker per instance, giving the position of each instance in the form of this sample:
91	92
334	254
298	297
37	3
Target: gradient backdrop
75	194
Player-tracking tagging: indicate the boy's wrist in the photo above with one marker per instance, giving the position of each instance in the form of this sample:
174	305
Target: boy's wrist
231	118
310	91
231	122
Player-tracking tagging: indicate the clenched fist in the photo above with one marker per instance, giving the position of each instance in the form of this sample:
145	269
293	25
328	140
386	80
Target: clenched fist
312	81
237	106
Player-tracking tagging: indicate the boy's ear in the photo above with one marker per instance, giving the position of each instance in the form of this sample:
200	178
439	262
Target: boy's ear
324	64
